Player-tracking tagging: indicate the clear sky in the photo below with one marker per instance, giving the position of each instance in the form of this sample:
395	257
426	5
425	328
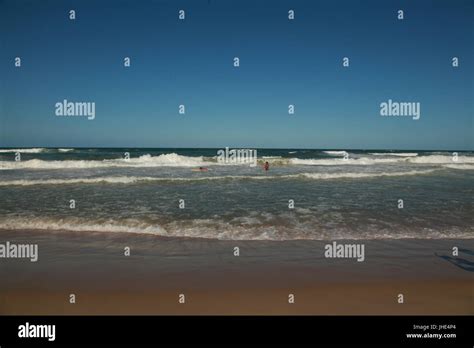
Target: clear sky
282	62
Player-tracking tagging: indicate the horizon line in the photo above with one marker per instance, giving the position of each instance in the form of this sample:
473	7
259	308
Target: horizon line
230	147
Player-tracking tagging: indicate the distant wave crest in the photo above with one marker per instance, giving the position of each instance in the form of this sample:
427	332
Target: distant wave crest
34	150
171	159
399	154
176	160
336	153
431	159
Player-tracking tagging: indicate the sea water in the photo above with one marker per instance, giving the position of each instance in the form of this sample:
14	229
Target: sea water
306	194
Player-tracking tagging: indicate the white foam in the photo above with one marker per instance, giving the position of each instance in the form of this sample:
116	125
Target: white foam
442	159
431	159
365	175
257	228
34	150
77	224
175	160
138	179
336	153
341	161
170	160
460	166
400	154
65	150
110	180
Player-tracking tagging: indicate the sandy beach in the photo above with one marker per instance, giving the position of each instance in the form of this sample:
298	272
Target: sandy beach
241	172
92	266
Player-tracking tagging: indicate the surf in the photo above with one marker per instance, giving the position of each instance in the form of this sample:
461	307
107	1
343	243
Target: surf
217	229
124	180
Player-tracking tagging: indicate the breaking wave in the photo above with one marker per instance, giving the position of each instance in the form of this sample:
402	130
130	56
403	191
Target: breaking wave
172	160
237	228
432	159
400	154
175	160
142	179
460	166
336	153
34	150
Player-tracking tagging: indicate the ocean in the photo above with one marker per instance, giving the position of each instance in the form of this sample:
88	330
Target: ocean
305	195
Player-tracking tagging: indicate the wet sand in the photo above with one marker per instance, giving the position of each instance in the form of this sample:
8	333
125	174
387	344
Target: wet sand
214	281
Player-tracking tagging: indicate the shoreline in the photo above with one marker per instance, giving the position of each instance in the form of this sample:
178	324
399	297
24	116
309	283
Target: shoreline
118	234
92	265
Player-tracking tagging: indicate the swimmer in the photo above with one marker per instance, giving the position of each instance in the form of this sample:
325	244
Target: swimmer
266	166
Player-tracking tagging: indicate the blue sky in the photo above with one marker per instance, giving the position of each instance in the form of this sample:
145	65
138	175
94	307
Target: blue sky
283	62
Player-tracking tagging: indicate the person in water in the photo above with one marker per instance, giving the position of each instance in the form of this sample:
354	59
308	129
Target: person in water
266	166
